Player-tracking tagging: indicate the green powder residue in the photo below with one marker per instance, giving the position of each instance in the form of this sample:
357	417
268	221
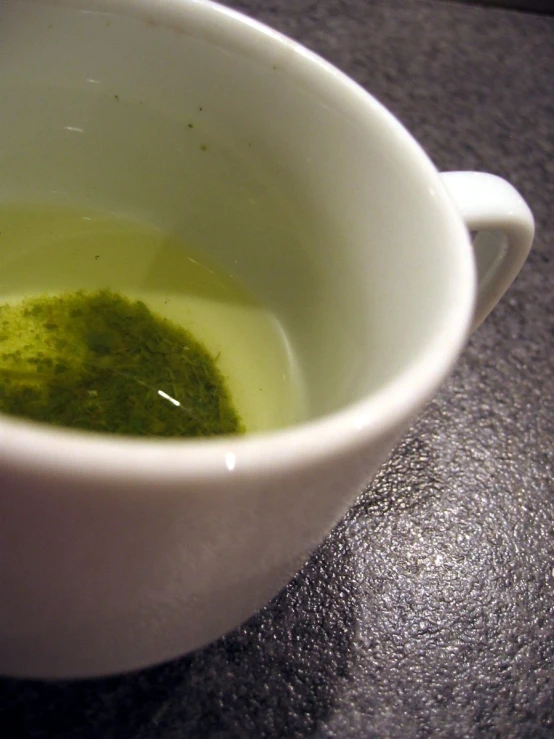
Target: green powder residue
101	362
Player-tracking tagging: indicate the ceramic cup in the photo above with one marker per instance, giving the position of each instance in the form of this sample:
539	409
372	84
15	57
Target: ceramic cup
120	553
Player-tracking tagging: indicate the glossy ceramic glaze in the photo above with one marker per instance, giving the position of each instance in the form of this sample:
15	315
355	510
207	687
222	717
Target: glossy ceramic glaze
115	554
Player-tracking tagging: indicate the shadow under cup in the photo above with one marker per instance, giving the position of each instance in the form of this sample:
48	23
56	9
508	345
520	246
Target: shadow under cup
252	151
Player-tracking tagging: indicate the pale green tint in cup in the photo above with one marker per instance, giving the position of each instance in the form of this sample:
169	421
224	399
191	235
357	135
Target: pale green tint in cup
280	184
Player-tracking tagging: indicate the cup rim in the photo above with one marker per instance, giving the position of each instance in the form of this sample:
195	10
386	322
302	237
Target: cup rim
41	449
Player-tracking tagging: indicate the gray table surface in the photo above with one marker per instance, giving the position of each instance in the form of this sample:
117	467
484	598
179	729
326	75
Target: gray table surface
429	611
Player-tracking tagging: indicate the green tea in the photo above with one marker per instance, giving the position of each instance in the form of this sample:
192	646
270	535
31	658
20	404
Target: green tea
100	362
108	324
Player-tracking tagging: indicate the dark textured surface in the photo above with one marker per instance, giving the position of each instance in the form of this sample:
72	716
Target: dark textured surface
430	610
535	6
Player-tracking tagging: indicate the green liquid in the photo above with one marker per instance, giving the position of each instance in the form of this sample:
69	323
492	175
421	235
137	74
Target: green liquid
99	362
112	325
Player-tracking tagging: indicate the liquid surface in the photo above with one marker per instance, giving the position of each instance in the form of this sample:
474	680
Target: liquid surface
48	252
99	362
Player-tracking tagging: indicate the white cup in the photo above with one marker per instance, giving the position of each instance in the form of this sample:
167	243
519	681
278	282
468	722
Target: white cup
120	553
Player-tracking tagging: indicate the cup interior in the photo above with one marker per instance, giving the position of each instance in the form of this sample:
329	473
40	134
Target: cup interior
262	157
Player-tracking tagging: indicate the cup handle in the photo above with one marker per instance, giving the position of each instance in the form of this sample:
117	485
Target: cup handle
502	226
